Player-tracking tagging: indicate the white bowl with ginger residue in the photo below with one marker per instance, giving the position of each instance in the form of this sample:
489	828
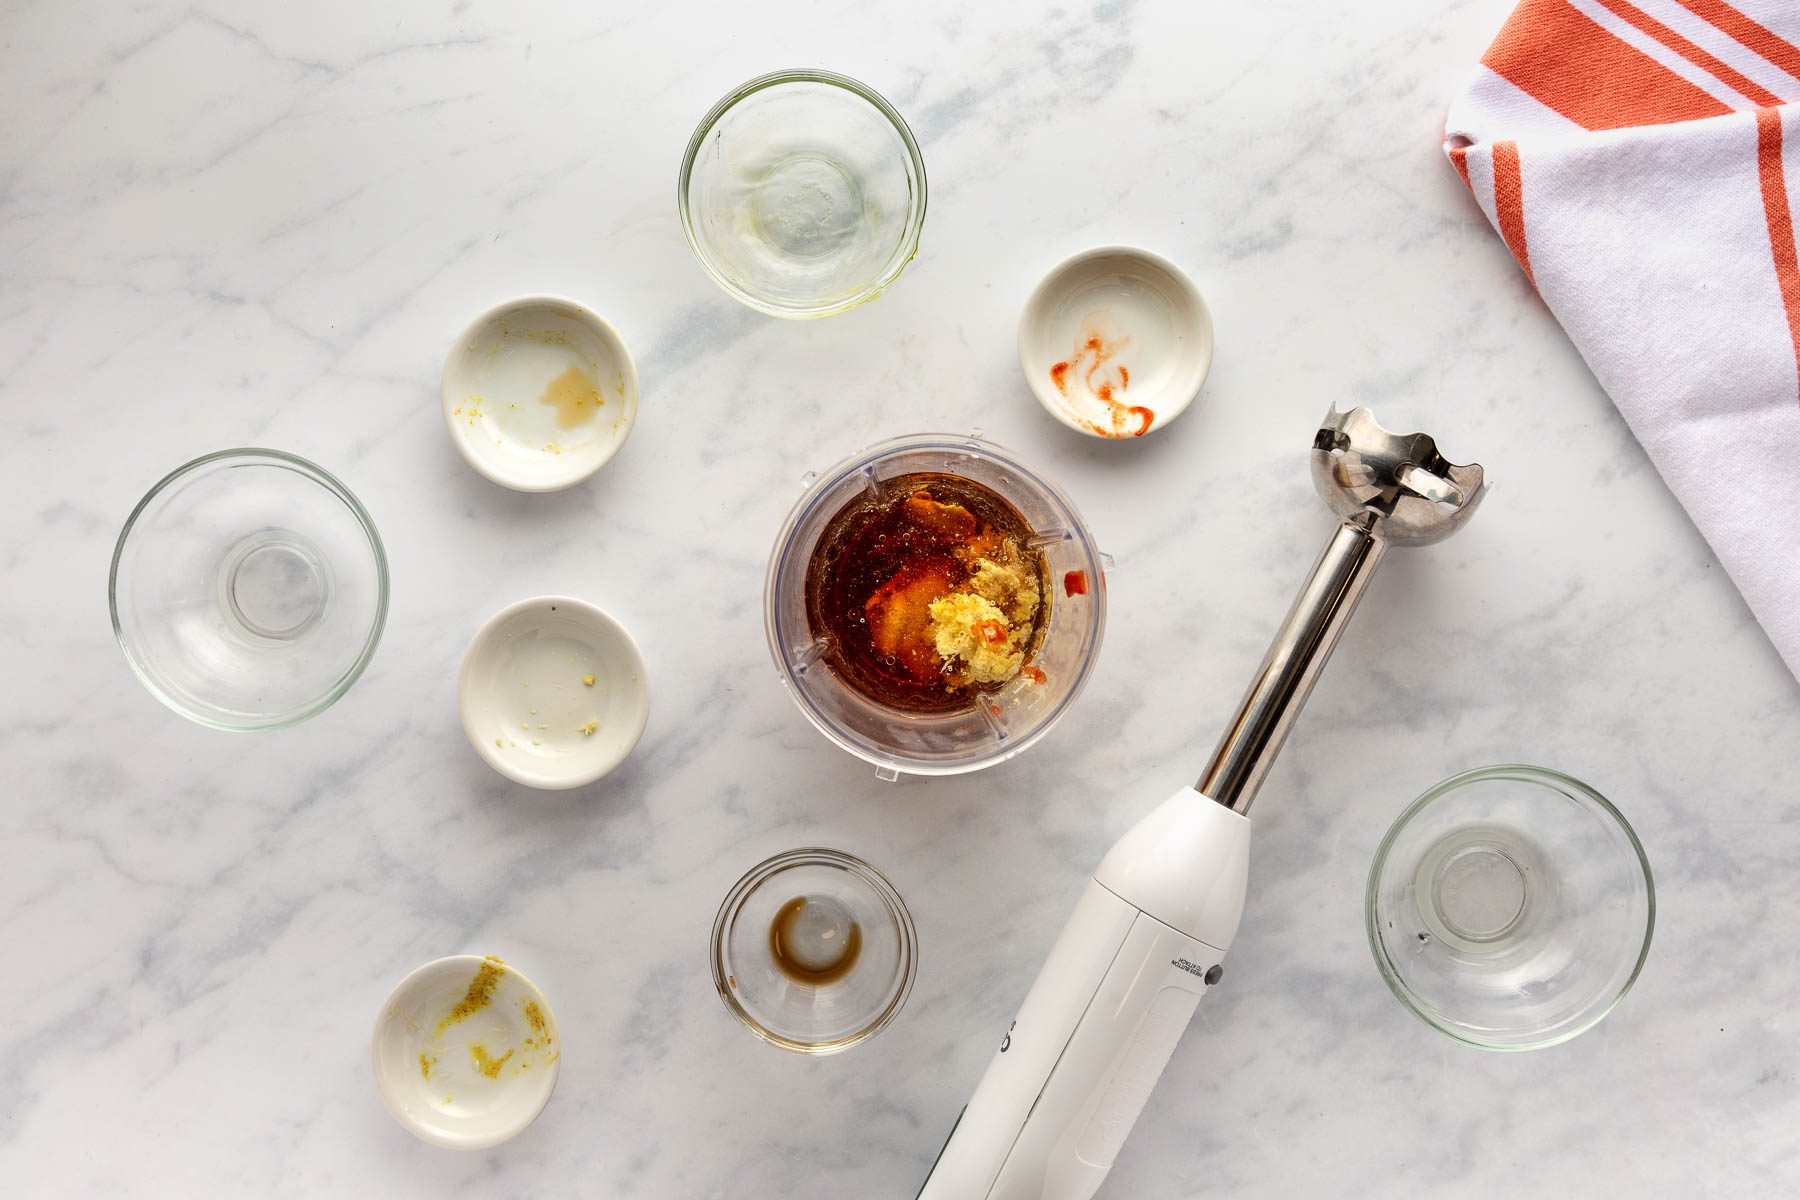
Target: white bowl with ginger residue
1115	342
539	393
465	1052
553	692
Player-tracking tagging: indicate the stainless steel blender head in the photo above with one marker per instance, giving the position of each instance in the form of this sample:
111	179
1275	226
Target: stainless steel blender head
1396	486
1387	489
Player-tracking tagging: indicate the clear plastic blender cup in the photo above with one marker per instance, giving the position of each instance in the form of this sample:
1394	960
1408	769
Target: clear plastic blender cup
996	725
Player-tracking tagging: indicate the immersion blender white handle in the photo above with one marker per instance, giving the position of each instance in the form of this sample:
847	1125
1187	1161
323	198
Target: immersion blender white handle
1105	1013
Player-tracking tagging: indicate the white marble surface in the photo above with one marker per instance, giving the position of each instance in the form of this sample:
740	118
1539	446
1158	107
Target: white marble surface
262	224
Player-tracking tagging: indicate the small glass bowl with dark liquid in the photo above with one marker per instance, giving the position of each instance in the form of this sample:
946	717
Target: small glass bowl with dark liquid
850	542
814	951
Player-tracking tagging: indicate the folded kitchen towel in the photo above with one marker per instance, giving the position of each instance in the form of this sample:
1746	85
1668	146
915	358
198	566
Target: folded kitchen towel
1641	159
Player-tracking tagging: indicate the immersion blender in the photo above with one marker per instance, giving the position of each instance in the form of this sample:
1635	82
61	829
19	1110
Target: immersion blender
1124	977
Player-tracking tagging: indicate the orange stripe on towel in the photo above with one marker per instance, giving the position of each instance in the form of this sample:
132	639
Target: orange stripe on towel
1781	221
1509	203
1645	23
1563	59
1459	158
1747	33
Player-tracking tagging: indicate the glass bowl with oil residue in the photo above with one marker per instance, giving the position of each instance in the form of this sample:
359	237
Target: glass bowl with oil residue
802	193
465	1052
994	725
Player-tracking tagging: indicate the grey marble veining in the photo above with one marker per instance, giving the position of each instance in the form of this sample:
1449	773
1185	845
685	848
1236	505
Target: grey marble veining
263	224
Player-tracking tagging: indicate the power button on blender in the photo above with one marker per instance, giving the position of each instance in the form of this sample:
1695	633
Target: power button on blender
1214	974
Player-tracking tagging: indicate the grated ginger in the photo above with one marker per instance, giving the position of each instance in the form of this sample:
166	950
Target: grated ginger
973	629
1009	586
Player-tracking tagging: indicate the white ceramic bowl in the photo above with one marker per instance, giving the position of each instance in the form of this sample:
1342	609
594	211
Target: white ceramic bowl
539	393
527	702
1115	342
465	1052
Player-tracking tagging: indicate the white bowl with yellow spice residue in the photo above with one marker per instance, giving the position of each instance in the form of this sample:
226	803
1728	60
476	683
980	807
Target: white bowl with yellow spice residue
465	1052
539	393
553	692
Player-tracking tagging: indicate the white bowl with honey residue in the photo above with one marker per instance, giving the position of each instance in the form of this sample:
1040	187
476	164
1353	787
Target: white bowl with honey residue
539	393
1115	342
465	1052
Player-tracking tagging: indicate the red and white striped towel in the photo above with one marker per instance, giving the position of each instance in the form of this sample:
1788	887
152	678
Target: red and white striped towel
1641	158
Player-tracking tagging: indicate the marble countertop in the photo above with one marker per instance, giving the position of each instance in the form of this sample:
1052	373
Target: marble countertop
263	224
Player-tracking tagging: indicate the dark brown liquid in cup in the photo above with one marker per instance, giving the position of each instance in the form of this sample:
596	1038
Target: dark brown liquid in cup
816	973
875	543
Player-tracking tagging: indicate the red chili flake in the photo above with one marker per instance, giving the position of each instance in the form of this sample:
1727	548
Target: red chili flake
1075	583
991	632
1035	674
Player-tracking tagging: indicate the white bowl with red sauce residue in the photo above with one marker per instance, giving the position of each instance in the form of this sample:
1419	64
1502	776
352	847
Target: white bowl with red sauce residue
1115	342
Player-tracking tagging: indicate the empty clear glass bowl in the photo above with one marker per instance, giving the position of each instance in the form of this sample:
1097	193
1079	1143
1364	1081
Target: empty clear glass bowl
248	589
802	193
1510	907
814	951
